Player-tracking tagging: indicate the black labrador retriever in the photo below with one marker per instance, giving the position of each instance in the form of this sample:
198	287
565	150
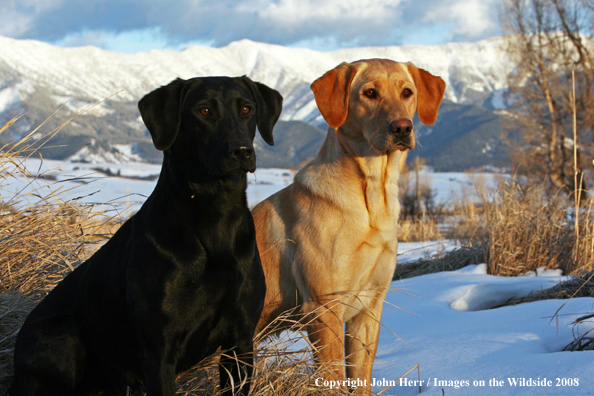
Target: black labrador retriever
180	278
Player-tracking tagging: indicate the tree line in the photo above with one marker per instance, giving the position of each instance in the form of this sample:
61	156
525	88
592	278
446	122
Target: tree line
552	43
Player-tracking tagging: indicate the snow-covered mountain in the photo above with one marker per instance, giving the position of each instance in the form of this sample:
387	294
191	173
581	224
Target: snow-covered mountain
39	78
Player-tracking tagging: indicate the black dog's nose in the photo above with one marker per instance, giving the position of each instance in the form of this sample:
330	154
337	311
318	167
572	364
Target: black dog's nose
241	150
402	127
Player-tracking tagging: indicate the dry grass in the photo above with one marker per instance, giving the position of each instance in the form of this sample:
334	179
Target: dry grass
39	244
284	364
526	230
583	341
419	229
514	231
521	229
42	244
281	368
581	285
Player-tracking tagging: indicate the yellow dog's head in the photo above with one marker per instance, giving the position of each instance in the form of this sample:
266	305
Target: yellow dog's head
376	100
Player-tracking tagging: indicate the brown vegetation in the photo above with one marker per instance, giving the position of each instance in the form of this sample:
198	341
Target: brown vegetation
40	244
516	229
523	228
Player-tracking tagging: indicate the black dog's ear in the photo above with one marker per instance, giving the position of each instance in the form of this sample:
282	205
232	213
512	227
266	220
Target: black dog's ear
270	105
160	111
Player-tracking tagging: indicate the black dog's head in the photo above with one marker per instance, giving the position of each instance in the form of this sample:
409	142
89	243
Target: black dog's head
206	126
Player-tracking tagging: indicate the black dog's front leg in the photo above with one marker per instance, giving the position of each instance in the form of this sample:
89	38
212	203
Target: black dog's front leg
159	375
236	367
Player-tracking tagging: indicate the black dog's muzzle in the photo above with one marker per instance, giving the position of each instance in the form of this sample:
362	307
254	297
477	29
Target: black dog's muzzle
243	154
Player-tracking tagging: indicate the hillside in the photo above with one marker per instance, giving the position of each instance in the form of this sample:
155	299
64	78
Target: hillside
37	78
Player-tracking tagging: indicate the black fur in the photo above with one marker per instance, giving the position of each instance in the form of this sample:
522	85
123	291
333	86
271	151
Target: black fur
181	277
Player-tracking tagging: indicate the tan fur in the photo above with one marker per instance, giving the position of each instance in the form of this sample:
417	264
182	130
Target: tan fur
328	241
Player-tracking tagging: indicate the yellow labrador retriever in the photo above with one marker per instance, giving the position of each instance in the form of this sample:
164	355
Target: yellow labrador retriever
328	241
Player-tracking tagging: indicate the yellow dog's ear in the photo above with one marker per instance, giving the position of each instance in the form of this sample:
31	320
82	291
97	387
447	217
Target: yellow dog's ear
429	93
331	92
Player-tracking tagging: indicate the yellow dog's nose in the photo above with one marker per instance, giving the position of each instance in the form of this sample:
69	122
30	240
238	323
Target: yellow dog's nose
402	127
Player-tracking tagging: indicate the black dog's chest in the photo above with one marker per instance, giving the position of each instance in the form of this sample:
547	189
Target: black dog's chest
197	289
202	314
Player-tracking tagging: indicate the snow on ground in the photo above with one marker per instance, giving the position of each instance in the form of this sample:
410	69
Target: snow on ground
444	324
447	324
413	251
441	321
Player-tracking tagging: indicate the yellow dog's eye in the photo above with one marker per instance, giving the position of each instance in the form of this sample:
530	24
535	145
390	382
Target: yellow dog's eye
370	93
407	93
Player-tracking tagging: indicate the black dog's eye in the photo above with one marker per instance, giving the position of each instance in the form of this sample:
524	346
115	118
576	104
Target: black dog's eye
245	110
205	111
407	93
370	93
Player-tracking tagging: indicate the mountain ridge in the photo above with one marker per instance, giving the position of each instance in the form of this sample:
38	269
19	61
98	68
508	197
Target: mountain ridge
39	78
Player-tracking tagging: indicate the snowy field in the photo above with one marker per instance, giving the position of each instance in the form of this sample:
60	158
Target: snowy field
443	322
90	183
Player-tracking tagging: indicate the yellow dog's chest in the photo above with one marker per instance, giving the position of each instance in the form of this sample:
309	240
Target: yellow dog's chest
374	260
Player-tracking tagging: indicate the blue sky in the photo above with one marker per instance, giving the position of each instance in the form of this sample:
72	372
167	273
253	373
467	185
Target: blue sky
142	25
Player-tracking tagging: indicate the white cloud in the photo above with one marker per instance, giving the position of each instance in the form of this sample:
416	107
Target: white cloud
469	18
333	23
14	24
17	17
303	11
